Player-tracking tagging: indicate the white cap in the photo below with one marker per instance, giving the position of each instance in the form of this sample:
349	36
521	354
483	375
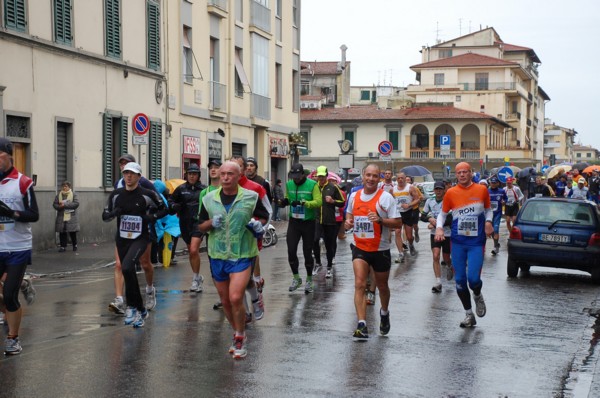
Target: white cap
483	182
581	180
132	166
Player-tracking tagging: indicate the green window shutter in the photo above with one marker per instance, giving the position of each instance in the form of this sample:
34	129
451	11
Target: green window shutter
124	138
349	135
364	95
14	15
113	28
153	22
62	21
155	150
107	150
393	138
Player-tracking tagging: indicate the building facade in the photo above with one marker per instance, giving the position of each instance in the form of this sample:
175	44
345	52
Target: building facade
558	143
585	153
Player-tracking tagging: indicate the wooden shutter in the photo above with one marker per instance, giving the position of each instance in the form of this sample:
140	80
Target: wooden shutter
155	150
107	150
14	15
124	138
62	21
61	153
153	15
113	28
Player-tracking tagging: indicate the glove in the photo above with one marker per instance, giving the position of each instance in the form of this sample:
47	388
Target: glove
150	217
6	211
116	212
296	203
256	228
175	208
284	202
217	221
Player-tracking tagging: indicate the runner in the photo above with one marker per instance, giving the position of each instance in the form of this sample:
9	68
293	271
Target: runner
497	199
406	197
471	223
387	184
18	208
227	216
185	202
514	200
415	212
136	209
431	210
371	213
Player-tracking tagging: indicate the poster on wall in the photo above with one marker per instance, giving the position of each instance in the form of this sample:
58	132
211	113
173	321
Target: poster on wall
278	147
191	145
215	149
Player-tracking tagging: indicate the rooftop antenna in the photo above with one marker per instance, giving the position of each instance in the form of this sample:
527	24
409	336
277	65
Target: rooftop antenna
460	26
437	32
385	77
391	75
469	26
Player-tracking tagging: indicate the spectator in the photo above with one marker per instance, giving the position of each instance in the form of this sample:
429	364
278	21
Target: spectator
278	196
66	204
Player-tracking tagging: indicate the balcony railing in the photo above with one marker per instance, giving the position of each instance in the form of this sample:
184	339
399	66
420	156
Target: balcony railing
419	153
488	86
218	93
437	154
222	4
260	16
470	154
513	116
261	107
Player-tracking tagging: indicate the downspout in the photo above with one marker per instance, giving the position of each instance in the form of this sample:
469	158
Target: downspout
230	78
166	92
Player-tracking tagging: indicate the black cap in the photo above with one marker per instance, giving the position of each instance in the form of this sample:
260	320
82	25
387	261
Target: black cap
494	179
215	162
129	158
6	146
193	168
252	160
297	171
439	184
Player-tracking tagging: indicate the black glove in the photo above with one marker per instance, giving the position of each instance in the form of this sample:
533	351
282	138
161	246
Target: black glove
296	203
6	211
284	202
175	208
150	217
116	212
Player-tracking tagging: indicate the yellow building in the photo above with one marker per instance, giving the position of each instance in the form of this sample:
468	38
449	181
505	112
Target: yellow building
558	143
585	153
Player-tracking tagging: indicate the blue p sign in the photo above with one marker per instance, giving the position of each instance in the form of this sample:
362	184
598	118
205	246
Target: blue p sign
444	140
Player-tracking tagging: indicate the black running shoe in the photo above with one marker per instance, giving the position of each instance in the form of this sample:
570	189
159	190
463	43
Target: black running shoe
384	325
361	331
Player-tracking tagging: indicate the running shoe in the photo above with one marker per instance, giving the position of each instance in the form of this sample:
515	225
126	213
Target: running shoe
370	298
217	306
413	252
197	284
240	351
130	314
417	235
316	269
12	346
28	290
259	308
449	272
329	273
480	309
436	288
232	346
117	306
496	250
138	321
260	283
384	325
308	287
296	283
361	331
404	247
400	258
151	299
333	261
469	321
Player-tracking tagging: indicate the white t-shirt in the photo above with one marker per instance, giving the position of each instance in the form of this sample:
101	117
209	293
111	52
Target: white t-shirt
433	207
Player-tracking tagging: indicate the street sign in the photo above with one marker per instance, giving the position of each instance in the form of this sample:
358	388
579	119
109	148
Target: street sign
504	173
140	124
385	147
139	139
385	158
444	145
544	168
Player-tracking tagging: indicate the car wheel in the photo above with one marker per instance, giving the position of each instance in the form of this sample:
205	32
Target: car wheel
512	269
596	276
524	267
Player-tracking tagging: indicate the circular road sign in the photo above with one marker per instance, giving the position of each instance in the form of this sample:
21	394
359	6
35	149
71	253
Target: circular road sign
140	124
504	173
385	147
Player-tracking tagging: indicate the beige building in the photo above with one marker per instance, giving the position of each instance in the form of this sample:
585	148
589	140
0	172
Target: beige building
481	73
585	153
558	143
196	79
325	83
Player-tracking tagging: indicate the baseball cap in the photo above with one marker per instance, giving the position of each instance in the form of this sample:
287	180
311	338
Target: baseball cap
252	160
510	179
297	170
127	157
439	185
193	168
581	181
483	182
214	162
494	179
6	146
134	167
321	171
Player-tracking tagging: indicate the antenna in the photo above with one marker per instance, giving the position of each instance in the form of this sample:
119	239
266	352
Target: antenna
460	26
437	32
469	26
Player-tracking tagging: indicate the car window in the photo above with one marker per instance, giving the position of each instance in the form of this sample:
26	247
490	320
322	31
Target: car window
550	211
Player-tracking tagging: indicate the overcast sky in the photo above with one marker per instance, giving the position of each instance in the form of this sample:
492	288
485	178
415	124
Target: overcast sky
384	38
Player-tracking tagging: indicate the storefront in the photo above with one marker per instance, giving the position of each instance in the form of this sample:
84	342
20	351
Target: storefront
279	153
190	152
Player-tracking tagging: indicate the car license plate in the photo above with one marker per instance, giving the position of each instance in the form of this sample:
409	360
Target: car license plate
555	238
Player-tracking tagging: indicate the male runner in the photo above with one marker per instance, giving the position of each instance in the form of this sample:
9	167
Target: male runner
406	196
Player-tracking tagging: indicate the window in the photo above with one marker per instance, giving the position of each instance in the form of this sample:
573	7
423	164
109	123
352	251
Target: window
14	15
260	65
214	60
305	135
62	22
155	150
481	81
458	98
365	95
393	136
278	8
514	106
438	79
374	96
112	15
350	135
588	155
278	86
239	10
188	71
114	144
153	32
241	79
444	53
295	91
295	13
305	87
578	155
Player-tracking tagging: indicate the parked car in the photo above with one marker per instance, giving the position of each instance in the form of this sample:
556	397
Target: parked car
558	233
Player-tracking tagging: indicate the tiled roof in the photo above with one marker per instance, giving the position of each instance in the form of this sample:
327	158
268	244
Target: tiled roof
311	97
469	59
578	147
372	113
320	68
514	48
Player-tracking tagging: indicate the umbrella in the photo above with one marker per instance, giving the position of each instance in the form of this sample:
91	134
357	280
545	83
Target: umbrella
580	165
173	183
591	168
526	171
415	171
330	175
556	170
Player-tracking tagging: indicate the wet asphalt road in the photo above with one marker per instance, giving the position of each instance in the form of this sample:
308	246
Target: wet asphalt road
533	342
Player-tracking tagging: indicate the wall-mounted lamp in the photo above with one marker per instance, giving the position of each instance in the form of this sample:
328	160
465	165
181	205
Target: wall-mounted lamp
220	132
125	73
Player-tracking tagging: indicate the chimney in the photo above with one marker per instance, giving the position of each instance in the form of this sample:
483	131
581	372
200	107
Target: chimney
482	109
342	64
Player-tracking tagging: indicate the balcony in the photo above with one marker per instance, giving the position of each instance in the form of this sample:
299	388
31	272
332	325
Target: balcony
507	86
470	154
513	116
437	154
261	107
419	153
260	16
218	8
218	94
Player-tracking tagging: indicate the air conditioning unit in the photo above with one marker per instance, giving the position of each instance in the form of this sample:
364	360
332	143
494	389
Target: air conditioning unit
372	154
312	105
303	105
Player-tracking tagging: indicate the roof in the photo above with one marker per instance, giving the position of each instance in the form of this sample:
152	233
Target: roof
463	60
578	147
543	94
321	68
312	97
445	43
514	48
372	113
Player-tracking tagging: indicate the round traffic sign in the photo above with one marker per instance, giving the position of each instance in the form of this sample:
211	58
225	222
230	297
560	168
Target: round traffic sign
385	147
504	173
544	168
140	124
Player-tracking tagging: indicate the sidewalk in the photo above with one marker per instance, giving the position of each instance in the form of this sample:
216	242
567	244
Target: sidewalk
91	256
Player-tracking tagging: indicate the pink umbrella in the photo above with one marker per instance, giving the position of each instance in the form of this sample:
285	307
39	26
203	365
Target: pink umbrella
330	176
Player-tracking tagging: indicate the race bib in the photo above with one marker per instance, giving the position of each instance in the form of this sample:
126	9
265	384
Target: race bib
130	227
468	225
510	201
494	206
363	228
6	224
298	212
403	199
338	212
